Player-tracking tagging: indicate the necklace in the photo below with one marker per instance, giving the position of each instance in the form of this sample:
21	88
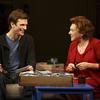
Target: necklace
82	47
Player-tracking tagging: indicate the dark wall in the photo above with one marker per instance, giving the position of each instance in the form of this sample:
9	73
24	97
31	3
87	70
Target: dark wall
98	19
49	23
52	24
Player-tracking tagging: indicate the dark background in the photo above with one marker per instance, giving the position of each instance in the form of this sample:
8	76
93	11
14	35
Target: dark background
49	22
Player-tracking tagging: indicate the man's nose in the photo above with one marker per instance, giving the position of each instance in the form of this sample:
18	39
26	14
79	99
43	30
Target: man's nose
24	27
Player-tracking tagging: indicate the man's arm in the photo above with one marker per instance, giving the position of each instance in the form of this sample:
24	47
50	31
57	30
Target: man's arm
31	61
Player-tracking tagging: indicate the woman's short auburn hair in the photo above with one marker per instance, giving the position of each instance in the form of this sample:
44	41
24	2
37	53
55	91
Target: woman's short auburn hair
84	25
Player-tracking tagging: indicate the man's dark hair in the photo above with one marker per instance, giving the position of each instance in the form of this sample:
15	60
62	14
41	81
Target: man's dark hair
15	15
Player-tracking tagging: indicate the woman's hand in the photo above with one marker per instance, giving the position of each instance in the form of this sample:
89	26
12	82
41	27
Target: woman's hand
83	65
70	67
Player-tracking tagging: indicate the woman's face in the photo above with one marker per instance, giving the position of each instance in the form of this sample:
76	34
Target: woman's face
74	32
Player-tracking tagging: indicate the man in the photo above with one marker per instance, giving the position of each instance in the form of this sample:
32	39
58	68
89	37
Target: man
16	50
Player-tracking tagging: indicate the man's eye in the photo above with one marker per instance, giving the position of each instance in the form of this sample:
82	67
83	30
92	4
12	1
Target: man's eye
22	25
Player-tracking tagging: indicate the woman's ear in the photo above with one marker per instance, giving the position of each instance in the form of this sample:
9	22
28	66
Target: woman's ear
81	34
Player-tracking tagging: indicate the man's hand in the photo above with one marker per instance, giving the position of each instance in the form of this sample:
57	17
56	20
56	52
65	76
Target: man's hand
23	69
1	69
30	68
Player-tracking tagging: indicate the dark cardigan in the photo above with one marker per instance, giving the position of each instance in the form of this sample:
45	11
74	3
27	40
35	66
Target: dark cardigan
26	51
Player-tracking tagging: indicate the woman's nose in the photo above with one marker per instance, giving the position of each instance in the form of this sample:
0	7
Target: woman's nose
69	32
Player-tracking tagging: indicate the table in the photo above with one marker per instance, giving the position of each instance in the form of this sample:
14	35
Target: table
83	89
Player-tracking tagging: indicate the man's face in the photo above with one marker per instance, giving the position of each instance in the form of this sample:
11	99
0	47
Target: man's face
20	27
74	32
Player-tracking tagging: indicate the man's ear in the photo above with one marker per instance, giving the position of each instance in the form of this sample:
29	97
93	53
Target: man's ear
12	24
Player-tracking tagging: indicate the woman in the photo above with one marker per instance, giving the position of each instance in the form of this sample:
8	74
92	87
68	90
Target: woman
84	52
